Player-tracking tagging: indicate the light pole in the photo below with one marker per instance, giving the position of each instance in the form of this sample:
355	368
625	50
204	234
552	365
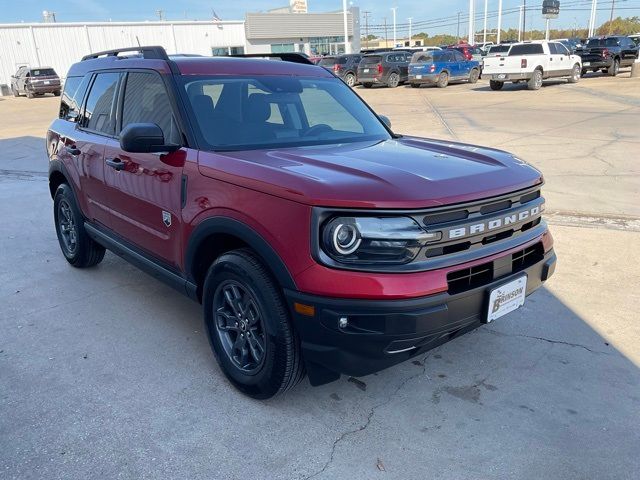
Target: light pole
410	21
393	9
592	19
499	22
347	45
366	28
524	20
458	34
613	5
520	25
472	14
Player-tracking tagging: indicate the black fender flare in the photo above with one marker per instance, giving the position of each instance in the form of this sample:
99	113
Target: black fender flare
231	226
56	165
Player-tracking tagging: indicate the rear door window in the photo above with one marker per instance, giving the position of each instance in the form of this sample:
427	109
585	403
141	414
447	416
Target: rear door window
99	109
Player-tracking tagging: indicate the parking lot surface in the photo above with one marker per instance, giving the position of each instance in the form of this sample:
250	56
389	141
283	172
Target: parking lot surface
106	373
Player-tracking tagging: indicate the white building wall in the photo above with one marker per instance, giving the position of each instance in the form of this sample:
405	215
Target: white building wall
59	45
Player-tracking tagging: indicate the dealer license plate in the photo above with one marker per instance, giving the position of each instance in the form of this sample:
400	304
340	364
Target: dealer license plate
366	70
47	82
507	298
586	64
500	76
419	77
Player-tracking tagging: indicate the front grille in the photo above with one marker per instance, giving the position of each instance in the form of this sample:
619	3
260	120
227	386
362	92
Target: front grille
466	279
525	258
469	278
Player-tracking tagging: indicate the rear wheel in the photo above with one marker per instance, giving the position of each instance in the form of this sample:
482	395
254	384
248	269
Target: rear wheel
77	246
474	76
415	85
14	91
30	94
496	85
535	82
367	85
443	80
57	93
249	328
350	79
583	72
615	68
394	80
575	74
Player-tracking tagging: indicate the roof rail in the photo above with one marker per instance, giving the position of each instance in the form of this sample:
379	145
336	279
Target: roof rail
285	57
154	53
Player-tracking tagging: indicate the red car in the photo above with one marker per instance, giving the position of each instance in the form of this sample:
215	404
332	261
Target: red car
470	52
316	239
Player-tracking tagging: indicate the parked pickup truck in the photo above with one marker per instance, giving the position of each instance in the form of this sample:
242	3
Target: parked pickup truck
532	62
608	54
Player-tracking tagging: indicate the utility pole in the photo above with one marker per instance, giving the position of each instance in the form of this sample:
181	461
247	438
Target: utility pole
499	22
613	4
472	15
347	45
410	20
160	14
386	38
366	28
393	9
520	25
484	34
524	20
592	18
458	34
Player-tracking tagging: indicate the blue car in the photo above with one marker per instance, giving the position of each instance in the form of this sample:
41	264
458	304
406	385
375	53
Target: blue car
441	67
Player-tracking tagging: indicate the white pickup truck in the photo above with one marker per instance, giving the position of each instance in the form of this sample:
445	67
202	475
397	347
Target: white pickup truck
532	62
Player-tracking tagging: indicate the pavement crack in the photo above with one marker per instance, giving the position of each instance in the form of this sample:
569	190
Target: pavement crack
369	419
548	340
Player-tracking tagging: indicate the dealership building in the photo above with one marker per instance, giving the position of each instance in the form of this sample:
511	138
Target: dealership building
287	29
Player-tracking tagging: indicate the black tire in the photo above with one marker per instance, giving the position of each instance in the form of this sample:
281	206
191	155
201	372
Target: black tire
415	85
474	76
394	80
535	82
443	80
615	68
77	246
279	366
57	93
583	72
30	94
496	85
575	74
367	85
14	91
350	79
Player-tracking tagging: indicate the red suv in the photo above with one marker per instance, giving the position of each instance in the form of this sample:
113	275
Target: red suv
317	240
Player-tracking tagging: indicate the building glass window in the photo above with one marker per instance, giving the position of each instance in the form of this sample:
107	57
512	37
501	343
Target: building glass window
282	47
223	51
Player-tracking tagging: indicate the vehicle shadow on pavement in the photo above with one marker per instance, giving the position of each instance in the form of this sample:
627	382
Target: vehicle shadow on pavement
23	154
108	370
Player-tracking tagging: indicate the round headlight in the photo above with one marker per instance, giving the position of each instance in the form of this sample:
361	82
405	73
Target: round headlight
346	238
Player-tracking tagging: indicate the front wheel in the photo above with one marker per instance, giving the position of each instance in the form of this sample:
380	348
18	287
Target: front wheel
15	92
30	94
535	82
249	327
496	85
77	246
394	80
350	79
443	80
367	85
575	74
474	76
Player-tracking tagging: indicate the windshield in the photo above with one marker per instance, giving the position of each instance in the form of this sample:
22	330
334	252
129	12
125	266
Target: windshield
242	113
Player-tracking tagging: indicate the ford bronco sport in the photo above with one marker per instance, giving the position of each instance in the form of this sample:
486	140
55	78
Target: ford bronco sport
317	240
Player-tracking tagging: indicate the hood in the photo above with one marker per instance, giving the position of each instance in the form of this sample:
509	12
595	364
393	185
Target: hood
407	172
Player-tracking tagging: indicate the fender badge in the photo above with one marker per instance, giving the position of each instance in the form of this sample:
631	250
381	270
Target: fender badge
166	218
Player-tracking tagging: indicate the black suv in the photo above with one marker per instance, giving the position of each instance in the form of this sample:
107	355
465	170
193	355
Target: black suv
343	66
35	81
608	54
389	68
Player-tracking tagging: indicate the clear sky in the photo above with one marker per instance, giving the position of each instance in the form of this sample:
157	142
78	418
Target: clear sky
437	16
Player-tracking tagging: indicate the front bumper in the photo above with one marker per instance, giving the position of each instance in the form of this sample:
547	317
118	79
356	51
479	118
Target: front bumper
382	333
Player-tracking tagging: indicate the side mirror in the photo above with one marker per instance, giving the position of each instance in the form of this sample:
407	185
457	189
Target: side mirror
144	138
385	120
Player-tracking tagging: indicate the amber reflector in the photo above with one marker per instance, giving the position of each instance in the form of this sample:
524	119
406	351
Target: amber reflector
302	309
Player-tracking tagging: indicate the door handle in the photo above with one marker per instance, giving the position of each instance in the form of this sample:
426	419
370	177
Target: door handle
73	150
115	163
